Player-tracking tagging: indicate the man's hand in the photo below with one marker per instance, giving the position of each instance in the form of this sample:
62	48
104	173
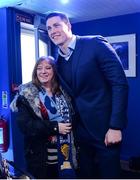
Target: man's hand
113	137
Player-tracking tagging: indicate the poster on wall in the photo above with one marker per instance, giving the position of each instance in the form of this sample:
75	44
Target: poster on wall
125	46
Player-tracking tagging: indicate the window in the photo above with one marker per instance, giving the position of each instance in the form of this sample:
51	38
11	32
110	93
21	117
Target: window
34	44
42	48
27	52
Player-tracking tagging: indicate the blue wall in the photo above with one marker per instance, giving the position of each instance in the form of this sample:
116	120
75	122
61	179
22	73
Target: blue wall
10	73
4	78
121	25
4	75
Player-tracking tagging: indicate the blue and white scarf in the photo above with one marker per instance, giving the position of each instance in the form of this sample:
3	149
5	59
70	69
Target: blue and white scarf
60	110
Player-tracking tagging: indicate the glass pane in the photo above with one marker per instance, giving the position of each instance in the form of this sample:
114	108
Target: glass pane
43	42
43	48
27	54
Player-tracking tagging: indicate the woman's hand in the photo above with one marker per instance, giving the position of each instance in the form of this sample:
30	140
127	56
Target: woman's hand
64	128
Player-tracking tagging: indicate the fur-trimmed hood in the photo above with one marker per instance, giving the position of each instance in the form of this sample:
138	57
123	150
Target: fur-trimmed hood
31	93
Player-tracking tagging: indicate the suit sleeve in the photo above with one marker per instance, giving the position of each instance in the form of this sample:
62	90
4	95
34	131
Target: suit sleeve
113	72
32	125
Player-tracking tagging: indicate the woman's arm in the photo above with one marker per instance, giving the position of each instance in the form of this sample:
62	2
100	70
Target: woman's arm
32	125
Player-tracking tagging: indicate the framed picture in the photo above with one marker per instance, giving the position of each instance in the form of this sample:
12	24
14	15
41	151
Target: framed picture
125	46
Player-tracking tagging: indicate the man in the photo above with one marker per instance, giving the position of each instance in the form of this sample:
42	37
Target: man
90	70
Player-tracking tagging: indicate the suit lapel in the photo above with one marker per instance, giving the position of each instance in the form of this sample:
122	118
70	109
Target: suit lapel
76	59
64	84
75	62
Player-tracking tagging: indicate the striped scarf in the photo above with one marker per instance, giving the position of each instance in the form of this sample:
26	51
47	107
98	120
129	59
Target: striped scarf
64	144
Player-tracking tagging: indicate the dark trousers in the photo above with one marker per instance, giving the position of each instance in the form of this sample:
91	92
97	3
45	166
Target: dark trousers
98	161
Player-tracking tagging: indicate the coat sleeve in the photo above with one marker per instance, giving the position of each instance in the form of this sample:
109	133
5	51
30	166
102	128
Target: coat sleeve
32	125
113	72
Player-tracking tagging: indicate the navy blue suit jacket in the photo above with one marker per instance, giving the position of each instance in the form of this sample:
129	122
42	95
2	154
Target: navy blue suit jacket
99	88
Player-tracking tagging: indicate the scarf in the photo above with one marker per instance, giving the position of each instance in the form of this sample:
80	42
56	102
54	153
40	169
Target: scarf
65	160
64	142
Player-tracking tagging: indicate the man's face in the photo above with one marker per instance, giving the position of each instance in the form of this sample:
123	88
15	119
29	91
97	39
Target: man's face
59	31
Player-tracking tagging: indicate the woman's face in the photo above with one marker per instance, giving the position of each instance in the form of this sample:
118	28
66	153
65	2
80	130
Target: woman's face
45	72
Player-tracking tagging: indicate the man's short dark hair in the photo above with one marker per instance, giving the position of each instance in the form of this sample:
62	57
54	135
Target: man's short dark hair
62	15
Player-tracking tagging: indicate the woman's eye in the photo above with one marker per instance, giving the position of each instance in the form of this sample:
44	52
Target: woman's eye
48	68
39	68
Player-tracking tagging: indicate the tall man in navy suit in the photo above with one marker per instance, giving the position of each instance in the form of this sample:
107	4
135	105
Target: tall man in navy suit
90	70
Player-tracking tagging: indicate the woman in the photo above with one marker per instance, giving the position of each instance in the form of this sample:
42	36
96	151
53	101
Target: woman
44	117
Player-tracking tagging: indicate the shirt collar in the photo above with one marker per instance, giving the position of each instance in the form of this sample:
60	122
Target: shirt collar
72	42
71	47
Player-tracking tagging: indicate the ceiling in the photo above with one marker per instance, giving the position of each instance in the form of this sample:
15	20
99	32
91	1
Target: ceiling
77	10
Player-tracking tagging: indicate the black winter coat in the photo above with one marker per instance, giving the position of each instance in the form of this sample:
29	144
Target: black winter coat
36	132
